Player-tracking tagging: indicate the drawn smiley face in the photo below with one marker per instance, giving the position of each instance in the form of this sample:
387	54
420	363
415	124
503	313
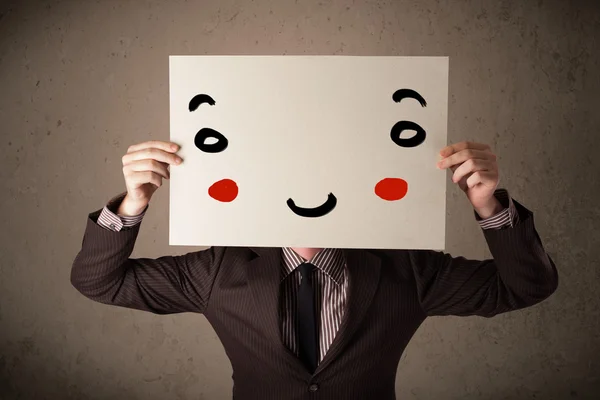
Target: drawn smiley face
226	190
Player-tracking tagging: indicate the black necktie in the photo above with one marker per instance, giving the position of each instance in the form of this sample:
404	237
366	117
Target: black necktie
307	322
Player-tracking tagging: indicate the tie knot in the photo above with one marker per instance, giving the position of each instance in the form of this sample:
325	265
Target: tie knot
305	270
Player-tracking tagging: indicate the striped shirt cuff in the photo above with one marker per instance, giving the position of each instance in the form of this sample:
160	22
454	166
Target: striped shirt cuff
506	218
110	220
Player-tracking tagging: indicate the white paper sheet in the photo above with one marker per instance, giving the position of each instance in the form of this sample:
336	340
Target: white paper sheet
300	128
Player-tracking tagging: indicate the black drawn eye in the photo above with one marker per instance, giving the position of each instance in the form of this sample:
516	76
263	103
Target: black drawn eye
200	140
205	133
402	126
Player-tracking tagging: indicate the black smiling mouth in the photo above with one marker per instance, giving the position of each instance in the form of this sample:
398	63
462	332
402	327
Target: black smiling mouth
314	212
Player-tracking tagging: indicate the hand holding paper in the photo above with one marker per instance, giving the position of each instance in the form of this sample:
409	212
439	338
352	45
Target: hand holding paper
144	167
476	173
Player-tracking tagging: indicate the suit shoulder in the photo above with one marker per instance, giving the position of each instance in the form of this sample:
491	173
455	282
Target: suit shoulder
396	262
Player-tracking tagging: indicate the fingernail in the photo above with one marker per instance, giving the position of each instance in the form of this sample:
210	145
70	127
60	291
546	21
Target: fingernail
174	147
178	161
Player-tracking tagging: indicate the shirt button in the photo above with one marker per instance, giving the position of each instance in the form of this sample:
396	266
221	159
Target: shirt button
112	226
314	387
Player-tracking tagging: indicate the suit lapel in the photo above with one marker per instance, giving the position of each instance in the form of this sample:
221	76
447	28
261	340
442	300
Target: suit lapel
264	278
363	273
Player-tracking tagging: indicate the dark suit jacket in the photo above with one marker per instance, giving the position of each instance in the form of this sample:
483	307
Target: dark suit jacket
391	292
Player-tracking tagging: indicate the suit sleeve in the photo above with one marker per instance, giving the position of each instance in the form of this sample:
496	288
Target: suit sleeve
521	274
103	272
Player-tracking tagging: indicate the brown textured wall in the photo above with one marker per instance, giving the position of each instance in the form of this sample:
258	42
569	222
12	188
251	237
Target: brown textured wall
82	80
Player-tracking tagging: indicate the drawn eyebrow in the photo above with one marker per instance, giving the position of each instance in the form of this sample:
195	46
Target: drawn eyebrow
198	99
408	93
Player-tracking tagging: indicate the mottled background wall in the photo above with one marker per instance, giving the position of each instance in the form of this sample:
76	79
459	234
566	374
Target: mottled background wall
82	80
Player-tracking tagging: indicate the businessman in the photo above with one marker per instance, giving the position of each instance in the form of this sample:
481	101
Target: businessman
310	323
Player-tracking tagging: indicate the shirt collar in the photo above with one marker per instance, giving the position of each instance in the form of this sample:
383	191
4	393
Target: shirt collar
330	261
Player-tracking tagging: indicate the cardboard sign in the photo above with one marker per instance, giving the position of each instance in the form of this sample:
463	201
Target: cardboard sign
308	151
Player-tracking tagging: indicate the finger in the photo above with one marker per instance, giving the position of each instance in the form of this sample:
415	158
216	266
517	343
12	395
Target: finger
148	165
470	166
138	179
152	154
486	178
456	147
156	144
463	156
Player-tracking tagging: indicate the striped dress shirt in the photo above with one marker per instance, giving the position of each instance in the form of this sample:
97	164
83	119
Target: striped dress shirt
330	275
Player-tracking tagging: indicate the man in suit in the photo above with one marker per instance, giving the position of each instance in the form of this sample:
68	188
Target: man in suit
307	323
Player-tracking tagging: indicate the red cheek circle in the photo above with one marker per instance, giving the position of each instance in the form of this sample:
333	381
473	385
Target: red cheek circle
224	190
391	189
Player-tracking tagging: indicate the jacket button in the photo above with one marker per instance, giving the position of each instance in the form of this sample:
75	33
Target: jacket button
314	387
